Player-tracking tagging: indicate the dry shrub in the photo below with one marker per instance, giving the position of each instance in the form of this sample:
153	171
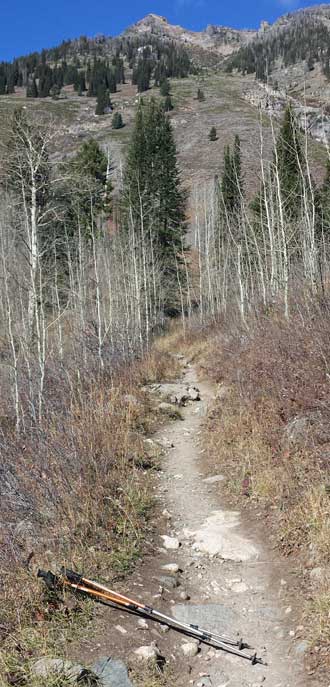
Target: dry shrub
76	492
270	430
159	365
192	341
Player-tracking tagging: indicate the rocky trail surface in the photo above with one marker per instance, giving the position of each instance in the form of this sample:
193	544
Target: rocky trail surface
206	567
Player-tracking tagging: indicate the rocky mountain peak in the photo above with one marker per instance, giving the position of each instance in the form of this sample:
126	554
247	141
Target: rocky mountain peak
153	19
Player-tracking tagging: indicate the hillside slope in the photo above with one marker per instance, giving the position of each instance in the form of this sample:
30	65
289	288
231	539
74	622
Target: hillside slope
232	103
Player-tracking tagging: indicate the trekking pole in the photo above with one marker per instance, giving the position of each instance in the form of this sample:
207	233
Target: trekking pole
78	583
76	578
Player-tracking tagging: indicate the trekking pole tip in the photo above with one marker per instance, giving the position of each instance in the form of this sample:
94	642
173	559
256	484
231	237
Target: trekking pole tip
243	645
255	660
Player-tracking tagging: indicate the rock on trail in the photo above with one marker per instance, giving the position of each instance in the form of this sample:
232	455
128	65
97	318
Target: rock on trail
171	543
218	536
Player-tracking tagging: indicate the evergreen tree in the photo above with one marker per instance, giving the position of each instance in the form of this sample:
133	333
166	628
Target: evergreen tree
326	68
103	104
237	162
231	182
91	161
213	134
117	121
32	89
10	83
70	75
3	84
81	83
227	181
45	82
89	171
165	88
310	63
142	74
168	105
118	64
287	170
55	92
152	188
322	203
289	160
111	82
58	77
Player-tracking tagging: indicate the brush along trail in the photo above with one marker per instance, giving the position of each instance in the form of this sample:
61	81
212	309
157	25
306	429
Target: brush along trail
208	568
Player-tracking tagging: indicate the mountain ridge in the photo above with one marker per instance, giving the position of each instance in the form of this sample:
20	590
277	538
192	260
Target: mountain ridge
224	39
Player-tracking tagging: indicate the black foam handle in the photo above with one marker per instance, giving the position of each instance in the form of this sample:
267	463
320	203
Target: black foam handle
71	575
50	579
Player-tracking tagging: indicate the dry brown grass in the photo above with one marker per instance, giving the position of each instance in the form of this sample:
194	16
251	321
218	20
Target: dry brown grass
269	433
151	675
79	494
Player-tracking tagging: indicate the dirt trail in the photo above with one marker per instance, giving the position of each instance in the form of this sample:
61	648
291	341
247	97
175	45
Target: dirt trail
230	580
228	572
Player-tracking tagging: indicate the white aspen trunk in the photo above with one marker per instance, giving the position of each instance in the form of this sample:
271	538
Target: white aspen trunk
97	289
240	284
58	308
41	343
284	246
9	313
33	250
200	266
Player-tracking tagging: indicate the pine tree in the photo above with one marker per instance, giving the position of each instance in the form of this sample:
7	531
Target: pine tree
231	181
227	181
322	202
90	169
326	69
213	134
237	164
91	161
168	105
79	83
55	92
152	189
289	160
103	104
142	74
32	89
165	88
3	82
117	121
10	83
111	82
45	82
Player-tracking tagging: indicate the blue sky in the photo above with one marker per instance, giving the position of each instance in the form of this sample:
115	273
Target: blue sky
28	25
